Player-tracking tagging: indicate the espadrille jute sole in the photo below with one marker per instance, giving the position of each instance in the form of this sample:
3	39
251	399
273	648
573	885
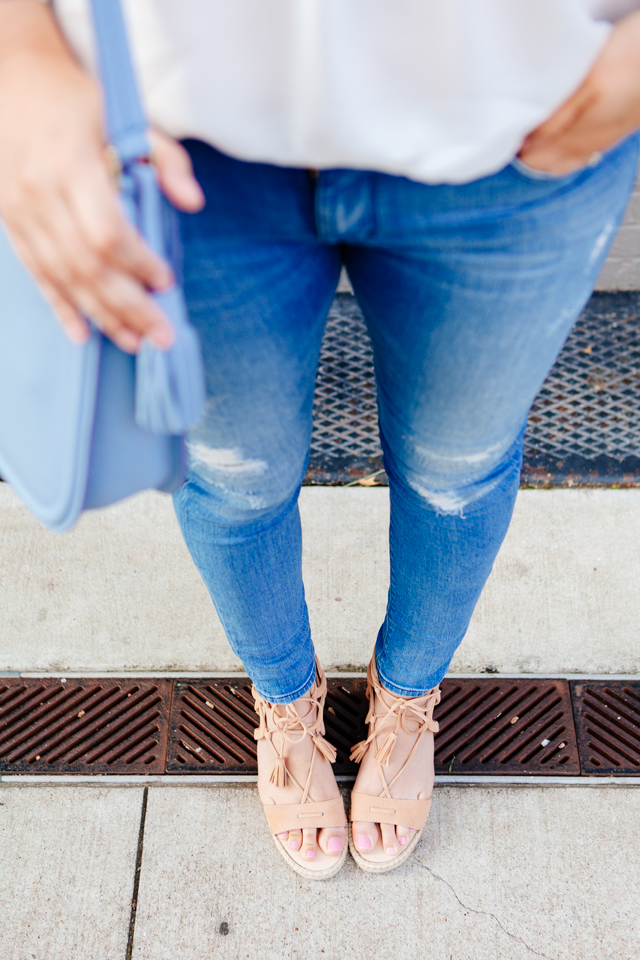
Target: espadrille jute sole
386	864
337	863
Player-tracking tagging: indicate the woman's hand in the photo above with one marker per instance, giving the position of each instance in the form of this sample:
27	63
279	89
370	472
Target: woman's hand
604	110
58	198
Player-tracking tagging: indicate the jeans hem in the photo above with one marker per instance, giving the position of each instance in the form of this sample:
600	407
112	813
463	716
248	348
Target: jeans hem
290	697
430	683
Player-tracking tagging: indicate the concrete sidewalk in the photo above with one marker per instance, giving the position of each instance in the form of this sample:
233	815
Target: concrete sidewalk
119	593
502	872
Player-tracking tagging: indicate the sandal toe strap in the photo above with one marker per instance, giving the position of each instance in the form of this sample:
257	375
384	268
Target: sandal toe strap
404	813
296	816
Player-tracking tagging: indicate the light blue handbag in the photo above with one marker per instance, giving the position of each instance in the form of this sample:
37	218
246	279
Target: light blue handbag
85	426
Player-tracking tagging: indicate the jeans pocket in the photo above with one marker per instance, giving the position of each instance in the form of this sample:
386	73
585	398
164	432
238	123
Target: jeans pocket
530	173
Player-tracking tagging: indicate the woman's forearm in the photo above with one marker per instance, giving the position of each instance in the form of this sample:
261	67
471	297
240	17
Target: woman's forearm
28	27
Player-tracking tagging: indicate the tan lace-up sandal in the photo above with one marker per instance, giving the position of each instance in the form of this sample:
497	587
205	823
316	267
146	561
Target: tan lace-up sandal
388	713
278	731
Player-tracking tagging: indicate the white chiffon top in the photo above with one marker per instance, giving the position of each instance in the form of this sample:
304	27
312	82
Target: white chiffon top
436	90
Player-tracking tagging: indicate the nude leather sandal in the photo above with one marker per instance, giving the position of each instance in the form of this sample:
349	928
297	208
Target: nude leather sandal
291	728
387	714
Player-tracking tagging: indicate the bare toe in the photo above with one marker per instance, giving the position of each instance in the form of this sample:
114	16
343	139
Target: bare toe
331	840
389	840
404	835
309	849
295	839
365	835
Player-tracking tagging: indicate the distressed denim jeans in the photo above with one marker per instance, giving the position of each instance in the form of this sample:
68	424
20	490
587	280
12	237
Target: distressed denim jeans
468	293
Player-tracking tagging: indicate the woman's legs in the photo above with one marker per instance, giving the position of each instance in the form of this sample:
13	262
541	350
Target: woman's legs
469	292
258	287
468	307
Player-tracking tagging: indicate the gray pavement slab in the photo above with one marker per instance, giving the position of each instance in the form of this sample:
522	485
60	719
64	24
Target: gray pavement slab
67	863
119	593
500	874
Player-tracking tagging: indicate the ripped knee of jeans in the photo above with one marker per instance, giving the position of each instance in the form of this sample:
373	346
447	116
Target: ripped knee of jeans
451	482
240	488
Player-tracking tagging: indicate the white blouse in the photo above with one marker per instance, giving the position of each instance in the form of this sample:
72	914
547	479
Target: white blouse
436	90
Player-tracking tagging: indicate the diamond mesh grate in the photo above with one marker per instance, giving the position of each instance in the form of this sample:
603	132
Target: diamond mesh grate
344	443
584	426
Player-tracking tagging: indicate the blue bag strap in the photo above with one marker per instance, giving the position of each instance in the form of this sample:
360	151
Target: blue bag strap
169	386
126	121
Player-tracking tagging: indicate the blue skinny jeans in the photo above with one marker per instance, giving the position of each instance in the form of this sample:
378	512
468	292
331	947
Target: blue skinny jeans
468	293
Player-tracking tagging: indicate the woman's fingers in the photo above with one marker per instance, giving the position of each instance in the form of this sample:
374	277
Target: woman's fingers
60	258
604	110
73	324
58	198
175	173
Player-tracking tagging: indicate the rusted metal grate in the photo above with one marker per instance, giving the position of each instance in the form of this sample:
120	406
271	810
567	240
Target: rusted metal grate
491	726
486	726
499	727
212	725
83	726
607	717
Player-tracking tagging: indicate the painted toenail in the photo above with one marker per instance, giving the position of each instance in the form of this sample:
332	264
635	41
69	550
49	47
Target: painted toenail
334	845
402	840
310	854
363	843
294	844
283	836
390	851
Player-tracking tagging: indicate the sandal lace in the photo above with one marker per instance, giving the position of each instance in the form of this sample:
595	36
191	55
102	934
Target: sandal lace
400	710
292	728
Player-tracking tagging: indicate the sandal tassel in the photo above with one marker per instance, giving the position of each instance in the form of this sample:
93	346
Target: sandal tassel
358	751
279	776
383	755
327	749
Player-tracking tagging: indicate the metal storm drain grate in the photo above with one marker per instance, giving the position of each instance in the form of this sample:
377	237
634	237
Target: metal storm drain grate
212	724
584	427
491	726
506	726
83	726
213	721
608	724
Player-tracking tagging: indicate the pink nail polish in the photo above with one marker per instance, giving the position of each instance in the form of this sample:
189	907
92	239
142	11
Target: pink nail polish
283	836
403	840
294	844
363	843
310	854
390	851
334	845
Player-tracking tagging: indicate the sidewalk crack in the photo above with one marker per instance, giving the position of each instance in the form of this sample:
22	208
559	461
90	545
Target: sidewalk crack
136	876
484	913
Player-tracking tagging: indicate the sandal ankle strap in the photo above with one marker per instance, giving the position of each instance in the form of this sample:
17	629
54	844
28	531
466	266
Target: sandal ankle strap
401	709
293	729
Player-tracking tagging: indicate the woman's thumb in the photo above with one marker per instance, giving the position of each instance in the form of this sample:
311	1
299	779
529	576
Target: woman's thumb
175	173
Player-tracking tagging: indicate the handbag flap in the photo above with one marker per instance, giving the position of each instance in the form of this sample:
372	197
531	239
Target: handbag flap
47	396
